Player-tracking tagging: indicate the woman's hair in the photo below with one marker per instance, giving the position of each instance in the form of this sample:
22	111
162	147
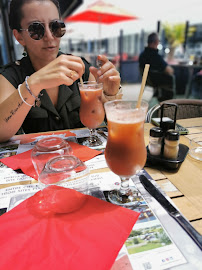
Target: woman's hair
16	14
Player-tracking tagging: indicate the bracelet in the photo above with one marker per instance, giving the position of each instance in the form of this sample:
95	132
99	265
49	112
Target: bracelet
118	95
38	102
22	97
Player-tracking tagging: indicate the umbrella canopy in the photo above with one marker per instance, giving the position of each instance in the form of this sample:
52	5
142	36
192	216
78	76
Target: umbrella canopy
101	12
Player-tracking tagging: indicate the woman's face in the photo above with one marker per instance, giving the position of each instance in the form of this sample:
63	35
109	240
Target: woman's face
45	49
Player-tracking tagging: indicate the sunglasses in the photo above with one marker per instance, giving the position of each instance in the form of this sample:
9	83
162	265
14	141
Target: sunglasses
36	30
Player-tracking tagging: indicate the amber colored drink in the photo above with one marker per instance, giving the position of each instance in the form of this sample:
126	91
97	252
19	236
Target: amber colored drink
91	109
125	152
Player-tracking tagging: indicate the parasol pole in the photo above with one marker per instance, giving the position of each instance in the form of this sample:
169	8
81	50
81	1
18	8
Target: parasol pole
99	34
120	50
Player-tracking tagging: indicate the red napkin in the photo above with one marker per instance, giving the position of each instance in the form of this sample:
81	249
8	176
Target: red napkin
88	238
23	161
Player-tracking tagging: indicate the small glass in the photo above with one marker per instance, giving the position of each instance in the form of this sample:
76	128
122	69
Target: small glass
91	110
195	149
62	181
67	171
48	148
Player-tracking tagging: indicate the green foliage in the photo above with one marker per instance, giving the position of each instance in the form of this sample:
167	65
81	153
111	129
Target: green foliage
191	31
135	233
135	241
175	33
142	248
164	239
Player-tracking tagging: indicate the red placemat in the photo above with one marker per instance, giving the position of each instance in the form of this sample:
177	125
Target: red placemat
23	161
88	238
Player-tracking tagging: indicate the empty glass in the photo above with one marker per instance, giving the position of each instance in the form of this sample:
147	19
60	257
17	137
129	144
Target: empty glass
67	171
195	149
62	181
48	148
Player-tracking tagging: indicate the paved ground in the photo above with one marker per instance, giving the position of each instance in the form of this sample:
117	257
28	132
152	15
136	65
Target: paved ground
131	92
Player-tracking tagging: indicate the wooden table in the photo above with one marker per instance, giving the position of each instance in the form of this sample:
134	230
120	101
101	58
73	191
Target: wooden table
184	186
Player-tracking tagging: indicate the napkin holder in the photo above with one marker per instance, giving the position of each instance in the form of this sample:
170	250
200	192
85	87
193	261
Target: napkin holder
168	124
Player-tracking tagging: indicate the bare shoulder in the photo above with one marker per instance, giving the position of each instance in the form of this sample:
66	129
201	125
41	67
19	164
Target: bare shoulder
6	88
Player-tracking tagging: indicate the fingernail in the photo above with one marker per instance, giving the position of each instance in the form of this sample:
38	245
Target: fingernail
99	73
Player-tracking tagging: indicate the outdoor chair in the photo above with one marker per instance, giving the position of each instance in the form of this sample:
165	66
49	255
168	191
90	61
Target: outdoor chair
187	108
162	83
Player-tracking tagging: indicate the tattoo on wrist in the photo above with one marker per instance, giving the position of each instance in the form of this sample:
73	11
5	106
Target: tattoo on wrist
12	112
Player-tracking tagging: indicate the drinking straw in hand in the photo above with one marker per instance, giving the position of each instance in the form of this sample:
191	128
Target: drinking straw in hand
144	79
81	81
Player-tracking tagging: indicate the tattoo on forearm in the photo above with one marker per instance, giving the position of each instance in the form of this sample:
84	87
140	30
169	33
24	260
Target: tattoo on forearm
12	112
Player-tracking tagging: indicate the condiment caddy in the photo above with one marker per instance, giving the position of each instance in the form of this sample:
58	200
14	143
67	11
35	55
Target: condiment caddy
164	149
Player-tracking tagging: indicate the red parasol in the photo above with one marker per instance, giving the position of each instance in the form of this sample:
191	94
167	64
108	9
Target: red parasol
102	13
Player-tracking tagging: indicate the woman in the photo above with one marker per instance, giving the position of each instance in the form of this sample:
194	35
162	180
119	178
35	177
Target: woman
46	77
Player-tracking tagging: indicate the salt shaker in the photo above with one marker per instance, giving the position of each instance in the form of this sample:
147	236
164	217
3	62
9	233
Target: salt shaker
171	144
155	141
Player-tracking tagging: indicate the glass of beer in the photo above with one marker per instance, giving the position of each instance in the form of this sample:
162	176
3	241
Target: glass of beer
91	110
125	152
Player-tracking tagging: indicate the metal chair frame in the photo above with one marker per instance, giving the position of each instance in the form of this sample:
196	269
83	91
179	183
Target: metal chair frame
187	108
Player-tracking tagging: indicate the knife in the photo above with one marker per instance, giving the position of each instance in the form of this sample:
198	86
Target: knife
173	212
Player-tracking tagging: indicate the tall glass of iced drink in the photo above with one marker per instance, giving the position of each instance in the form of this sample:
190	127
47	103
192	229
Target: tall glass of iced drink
125	152
91	110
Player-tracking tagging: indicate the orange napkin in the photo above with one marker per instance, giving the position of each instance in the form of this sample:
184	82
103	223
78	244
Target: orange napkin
23	161
88	238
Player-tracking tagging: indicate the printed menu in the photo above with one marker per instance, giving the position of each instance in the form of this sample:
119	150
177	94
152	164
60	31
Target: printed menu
149	245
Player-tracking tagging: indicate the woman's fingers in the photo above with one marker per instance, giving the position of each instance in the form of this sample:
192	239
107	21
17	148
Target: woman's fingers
59	71
107	69
72	63
94	71
73	74
107	74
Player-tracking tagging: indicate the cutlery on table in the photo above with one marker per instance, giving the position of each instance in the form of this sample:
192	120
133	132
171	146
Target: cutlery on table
173	212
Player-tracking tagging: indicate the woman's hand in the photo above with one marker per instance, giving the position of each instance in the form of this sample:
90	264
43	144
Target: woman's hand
108	75
65	69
